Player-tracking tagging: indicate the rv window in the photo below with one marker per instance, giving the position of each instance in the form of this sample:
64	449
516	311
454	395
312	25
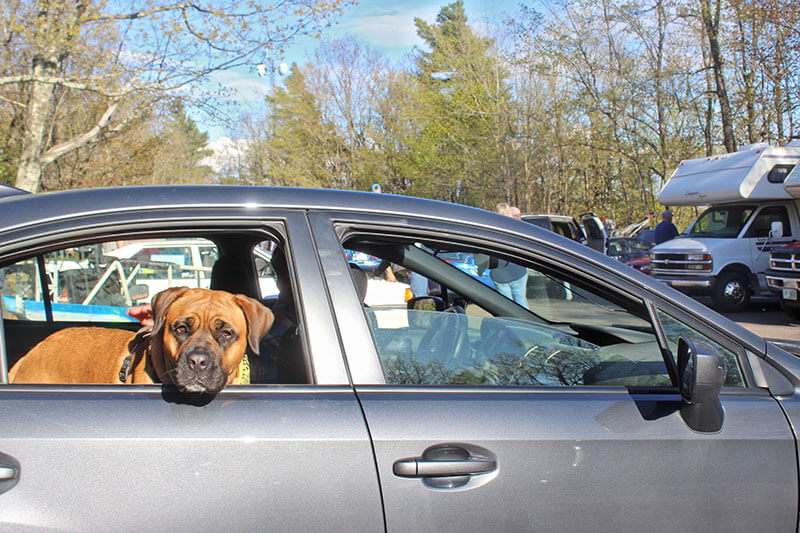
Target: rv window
778	173
764	219
722	221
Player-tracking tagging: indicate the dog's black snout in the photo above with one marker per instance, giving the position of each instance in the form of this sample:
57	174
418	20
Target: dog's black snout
198	361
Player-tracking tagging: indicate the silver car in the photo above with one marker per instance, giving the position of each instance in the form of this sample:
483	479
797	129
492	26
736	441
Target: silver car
548	388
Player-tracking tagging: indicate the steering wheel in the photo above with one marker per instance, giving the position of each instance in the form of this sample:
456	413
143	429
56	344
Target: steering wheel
447	336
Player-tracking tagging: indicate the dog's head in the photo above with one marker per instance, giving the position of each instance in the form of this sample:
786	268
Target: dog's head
200	336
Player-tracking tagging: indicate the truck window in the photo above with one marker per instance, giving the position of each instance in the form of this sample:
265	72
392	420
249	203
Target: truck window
722	221
762	223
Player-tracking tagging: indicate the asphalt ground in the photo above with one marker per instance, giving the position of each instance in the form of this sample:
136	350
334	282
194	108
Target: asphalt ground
766	319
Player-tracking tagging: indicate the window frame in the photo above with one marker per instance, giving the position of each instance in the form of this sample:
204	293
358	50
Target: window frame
289	227
364	361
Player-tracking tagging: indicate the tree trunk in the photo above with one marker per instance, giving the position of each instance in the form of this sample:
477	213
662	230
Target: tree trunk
748	76
39	115
711	26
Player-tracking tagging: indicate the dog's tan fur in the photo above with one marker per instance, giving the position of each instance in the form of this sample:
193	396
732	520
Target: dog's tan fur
95	355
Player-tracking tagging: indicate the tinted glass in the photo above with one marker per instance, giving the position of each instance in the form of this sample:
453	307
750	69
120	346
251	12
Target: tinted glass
762	223
722	221
491	320
674	328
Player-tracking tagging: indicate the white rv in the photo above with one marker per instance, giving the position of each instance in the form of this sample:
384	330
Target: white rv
725	251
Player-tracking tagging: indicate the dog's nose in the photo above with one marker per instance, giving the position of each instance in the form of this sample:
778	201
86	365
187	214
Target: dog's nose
198	361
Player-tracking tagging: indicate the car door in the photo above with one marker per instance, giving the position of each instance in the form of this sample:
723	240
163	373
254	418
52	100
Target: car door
758	239
596	237
141	458
461	448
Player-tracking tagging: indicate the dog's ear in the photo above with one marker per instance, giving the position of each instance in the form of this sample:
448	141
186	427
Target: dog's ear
160	303
259	319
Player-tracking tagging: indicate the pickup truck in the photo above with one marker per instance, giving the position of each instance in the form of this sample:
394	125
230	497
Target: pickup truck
783	277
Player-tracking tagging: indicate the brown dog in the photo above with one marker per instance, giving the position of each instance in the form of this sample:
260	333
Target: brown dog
198	342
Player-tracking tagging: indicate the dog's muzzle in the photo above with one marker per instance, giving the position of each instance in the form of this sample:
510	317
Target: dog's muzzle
199	371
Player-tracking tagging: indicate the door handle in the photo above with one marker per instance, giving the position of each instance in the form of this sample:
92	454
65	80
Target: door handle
417	467
9	472
444	461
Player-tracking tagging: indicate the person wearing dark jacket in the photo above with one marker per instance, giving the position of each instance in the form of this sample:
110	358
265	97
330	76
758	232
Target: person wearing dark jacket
665	230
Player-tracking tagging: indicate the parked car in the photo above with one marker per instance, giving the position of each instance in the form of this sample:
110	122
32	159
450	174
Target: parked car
633	252
590	230
620	404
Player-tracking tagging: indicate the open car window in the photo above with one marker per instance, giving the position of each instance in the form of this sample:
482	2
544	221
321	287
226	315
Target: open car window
97	283
482	318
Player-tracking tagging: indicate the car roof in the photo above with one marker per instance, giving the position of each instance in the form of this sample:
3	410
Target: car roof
26	211
28	208
8	190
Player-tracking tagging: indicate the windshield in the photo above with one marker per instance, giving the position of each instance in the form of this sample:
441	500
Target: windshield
722	221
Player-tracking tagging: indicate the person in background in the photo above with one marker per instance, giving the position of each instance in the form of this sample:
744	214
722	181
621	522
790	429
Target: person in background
665	230
515	212
510	279
418	283
384	268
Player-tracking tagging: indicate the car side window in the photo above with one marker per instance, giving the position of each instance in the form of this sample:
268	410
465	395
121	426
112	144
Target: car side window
564	229
97	282
487	319
674	328
592	229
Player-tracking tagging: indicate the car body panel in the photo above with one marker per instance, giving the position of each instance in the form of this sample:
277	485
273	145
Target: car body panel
560	457
131	460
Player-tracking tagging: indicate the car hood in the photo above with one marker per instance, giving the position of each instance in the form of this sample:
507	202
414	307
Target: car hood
682	245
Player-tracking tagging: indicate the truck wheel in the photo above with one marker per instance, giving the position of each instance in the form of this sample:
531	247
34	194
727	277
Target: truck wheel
791	310
731	292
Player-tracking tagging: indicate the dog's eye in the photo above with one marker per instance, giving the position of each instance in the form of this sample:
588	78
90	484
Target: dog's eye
226	333
180	329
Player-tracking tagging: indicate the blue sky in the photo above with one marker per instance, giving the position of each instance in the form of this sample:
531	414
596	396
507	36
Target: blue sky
385	25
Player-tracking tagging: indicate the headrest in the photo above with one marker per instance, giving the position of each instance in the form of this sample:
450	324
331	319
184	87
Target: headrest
231	273
359	280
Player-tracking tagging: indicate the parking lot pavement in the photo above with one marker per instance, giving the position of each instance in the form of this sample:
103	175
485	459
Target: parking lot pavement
765	318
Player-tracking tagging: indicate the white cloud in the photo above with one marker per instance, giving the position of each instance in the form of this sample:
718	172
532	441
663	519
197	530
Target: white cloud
227	154
389	27
246	88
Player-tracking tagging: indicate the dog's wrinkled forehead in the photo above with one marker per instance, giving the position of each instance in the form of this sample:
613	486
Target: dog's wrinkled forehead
206	305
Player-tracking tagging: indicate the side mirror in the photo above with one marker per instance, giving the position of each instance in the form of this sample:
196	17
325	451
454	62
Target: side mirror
425	303
139	292
701	374
484	262
776	229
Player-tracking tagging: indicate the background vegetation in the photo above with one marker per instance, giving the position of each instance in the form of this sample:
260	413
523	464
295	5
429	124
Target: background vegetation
580	106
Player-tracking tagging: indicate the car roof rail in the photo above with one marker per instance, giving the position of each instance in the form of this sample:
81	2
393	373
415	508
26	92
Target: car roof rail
10	190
